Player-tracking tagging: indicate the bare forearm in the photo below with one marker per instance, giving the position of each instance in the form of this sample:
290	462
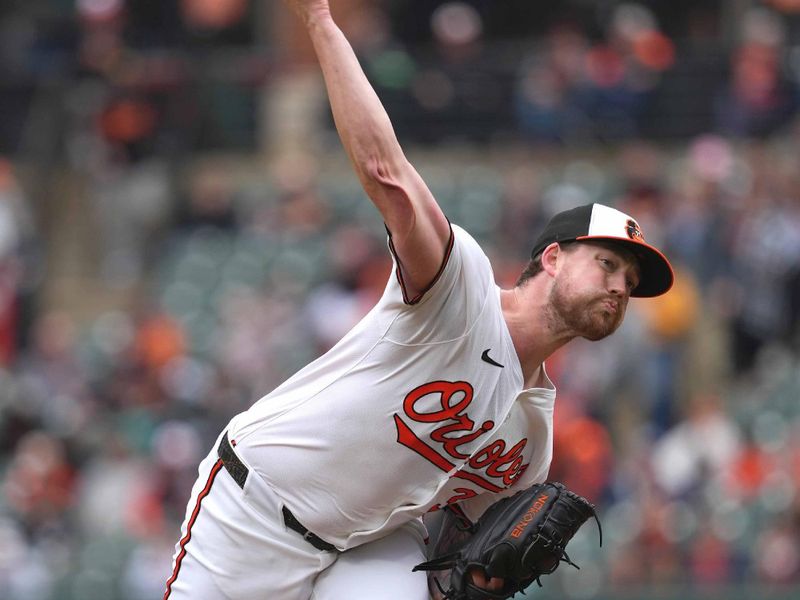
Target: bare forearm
363	125
420	231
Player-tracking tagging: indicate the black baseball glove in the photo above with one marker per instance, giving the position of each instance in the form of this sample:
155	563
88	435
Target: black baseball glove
519	538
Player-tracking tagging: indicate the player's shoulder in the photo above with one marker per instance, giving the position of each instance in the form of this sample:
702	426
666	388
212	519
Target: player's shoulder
462	234
468	248
465	240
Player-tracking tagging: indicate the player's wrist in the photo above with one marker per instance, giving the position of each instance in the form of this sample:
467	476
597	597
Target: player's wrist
317	16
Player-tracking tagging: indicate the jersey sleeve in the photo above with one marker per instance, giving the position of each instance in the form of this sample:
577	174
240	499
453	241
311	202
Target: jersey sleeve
450	305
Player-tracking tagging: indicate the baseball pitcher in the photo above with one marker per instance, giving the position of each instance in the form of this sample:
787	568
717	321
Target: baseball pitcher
437	402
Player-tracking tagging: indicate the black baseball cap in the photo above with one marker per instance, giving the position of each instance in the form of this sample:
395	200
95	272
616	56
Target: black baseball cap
600	222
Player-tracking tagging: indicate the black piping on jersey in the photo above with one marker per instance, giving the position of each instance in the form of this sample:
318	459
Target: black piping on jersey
492	286
399	271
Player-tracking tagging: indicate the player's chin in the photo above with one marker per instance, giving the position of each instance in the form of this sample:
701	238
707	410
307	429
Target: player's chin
600	325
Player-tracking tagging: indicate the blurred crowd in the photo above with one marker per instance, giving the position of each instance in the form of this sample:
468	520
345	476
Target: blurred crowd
236	270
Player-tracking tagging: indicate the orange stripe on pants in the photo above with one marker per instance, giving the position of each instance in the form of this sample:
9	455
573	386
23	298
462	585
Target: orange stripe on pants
214	470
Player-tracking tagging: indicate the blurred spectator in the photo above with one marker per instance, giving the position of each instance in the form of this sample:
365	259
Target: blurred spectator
159	340
208	201
671	323
39	484
758	98
764	262
779	554
710	560
57	394
546	92
131	206
465	88
698	228
583	455
15	235
358	275
213	14
24	571
101	43
706	442
577	89
128	122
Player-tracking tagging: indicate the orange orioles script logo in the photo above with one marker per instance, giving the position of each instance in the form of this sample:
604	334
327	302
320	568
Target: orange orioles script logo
634	231
442	407
526	519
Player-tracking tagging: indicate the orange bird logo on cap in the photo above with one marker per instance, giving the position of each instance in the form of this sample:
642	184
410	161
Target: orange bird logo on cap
634	231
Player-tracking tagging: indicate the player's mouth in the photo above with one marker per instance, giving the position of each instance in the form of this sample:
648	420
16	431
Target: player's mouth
610	306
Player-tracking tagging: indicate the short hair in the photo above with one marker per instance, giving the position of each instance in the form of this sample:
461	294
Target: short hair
531	270
534	266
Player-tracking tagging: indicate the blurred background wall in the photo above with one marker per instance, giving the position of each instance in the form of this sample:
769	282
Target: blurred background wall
180	231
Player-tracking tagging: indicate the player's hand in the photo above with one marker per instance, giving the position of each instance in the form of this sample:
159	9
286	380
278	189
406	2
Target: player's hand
479	578
308	9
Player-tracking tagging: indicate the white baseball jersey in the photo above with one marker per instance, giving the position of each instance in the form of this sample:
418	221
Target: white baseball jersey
421	404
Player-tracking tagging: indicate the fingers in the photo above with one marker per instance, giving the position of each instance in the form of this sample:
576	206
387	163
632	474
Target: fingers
479	578
308	9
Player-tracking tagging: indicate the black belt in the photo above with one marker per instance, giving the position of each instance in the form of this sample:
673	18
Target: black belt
239	471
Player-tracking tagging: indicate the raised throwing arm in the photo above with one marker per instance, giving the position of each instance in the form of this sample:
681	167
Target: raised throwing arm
419	229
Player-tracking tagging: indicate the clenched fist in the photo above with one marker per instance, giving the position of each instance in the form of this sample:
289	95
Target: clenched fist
308	10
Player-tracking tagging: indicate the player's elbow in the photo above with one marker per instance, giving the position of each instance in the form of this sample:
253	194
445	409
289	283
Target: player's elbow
378	171
389	185
386	180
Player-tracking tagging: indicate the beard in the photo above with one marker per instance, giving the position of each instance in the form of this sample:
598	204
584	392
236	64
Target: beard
583	314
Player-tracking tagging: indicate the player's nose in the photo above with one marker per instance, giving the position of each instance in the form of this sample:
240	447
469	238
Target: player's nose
617	283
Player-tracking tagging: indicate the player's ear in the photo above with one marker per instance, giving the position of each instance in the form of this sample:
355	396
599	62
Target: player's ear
550	258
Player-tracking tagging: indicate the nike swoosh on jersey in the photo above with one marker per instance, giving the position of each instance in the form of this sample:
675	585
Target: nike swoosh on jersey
486	358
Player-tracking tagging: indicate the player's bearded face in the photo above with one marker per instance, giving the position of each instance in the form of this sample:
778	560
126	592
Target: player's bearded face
584	312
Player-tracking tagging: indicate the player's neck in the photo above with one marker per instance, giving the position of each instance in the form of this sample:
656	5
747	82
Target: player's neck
524	310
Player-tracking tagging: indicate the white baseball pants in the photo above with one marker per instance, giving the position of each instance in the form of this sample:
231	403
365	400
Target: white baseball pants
234	546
